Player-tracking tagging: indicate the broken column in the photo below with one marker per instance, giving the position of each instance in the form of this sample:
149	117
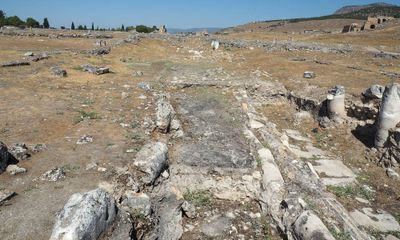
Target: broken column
335	103
389	114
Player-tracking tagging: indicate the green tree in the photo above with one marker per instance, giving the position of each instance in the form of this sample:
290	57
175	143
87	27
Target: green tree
144	29
84	27
80	27
72	26
92	27
46	23
2	18
14	21
32	23
122	27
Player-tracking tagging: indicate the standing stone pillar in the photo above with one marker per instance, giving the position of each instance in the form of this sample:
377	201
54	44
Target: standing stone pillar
335	99
389	114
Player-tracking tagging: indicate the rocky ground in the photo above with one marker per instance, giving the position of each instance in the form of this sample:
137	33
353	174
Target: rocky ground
161	137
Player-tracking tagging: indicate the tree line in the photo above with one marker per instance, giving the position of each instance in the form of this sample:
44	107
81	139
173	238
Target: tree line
33	23
17	22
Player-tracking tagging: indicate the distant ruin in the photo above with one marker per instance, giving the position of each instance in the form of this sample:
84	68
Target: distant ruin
354	27
371	24
162	29
374	22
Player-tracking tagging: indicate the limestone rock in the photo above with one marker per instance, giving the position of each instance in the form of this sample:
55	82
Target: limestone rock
381	221
59	72
100	51
389	114
20	151
164	115
95	70
374	92
136	203
85	216
309	74
53	175
189	209
216	226
14	170
5	195
152	160
15	63
309	227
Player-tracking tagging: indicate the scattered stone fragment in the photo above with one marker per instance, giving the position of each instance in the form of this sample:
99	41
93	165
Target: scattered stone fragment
336	107
20	151
374	92
95	70
144	86
216	226
392	174
380	221
15	63
389	114
189	209
102	169
37	57
53	175
123	227
152	160
309	226
136	204
309	74
91	166
85	139
169	214
39	148
14	170
100	51
138	74
28	54
85	216
5	195
164	115
59	72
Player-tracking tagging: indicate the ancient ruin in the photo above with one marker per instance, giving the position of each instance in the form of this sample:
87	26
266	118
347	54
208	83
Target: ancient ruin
268	130
375	22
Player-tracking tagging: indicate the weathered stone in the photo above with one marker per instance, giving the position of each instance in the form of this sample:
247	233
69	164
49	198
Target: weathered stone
100	51
14	170
123	227
336	107
53	175
374	92
216	226
382	221
5	195
164	115
334	172
59	72
309	74
28	54
37	57
138	74
85	216
169	214
20	151
136	204
389	114
152	160
15	63
309	227
162	29
392	174
189	209
95	70
85	139
215	44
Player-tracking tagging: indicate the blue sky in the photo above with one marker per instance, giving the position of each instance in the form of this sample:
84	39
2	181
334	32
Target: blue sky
172	13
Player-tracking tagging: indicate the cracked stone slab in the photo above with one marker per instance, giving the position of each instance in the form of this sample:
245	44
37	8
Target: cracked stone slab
382	221
334	172
5	195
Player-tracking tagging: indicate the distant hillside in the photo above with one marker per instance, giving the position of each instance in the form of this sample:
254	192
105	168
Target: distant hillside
354	8
360	14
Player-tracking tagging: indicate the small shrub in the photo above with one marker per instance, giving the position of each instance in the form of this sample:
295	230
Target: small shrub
85	115
199	197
